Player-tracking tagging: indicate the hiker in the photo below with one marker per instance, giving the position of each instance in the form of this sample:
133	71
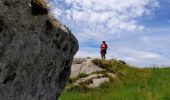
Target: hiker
103	48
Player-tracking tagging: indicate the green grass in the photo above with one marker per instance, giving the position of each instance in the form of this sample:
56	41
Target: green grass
131	84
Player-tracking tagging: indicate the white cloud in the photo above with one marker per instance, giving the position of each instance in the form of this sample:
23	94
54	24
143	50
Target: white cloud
106	17
140	55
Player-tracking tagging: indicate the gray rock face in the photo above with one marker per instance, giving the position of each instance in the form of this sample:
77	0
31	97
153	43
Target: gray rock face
89	67
83	66
98	82
95	80
36	51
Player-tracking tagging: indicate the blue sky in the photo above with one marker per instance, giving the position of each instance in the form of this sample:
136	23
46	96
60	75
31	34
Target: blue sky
137	31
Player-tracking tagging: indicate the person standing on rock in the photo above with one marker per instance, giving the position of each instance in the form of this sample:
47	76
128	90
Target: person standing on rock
103	48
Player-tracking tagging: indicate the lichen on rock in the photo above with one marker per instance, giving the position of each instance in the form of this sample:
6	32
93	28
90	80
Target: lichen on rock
35	54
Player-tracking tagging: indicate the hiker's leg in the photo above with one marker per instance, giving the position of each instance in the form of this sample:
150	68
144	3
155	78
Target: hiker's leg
101	52
101	55
104	54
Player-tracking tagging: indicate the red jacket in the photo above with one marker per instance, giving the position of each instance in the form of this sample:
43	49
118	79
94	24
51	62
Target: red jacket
103	46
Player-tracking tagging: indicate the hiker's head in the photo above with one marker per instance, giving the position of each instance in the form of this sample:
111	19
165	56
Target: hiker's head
103	41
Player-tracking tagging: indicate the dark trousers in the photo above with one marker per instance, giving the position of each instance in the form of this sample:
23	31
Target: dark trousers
103	53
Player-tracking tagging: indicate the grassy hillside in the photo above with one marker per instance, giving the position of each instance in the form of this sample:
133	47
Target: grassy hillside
131	84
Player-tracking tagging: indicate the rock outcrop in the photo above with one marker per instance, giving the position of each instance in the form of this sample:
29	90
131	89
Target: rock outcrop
95	80
83	66
36	51
85	72
92	81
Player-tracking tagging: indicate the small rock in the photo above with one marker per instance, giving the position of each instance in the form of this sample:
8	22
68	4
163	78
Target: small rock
88	57
122	62
97	82
78	60
81	80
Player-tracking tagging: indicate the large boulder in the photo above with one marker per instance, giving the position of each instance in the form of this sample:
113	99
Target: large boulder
36	51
